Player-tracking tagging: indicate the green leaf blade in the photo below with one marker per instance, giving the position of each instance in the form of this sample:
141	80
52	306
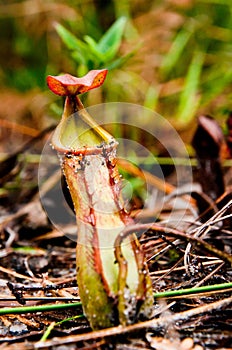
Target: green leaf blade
177	48
111	40
189	100
80	48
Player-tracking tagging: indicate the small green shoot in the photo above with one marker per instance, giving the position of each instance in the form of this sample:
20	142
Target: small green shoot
90	54
55	324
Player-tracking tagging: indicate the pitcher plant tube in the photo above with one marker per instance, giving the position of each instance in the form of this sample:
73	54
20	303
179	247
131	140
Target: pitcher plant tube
112	275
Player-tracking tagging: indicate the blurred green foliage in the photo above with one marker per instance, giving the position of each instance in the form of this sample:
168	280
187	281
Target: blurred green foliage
201	53
90	54
23	58
174	57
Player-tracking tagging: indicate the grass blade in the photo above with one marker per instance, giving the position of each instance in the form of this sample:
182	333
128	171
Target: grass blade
189	100
171	59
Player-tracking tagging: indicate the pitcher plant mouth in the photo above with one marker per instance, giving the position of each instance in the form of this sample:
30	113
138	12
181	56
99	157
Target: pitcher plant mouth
77	132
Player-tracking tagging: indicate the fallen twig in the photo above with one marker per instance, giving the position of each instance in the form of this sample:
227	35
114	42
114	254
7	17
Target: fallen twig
162	321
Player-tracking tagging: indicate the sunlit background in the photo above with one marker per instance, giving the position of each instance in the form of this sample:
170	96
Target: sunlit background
171	56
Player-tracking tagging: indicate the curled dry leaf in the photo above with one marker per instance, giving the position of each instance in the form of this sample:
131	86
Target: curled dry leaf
208	138
207	142
229	136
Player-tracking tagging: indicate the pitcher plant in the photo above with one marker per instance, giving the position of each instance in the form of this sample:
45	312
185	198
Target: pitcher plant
112	275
